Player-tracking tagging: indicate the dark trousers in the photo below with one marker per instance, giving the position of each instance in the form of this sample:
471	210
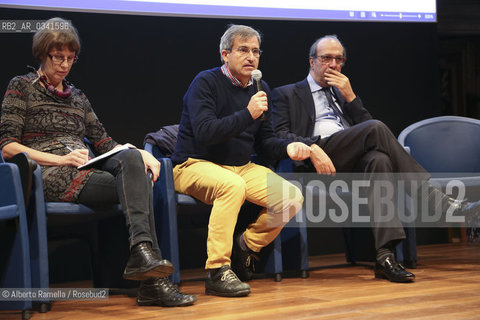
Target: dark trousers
370	147
121	179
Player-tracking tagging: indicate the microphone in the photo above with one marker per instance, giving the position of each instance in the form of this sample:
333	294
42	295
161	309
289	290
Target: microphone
257	76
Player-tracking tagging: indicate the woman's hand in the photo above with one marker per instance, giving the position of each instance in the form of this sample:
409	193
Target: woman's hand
151	164
75	158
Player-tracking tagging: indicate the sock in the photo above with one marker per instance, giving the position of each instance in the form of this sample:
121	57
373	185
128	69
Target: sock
383	253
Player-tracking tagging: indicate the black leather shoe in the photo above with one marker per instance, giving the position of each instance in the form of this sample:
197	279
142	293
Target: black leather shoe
471	211
393	271
225	283
243	261
162	292
143	264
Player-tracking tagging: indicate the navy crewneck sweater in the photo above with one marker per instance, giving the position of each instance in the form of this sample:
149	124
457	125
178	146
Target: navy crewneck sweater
217	126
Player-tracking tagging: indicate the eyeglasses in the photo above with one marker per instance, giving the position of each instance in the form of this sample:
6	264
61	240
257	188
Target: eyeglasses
244	51
57	59
325	59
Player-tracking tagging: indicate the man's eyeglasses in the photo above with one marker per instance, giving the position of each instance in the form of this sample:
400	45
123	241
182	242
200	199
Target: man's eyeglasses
325	59
244	51
57	59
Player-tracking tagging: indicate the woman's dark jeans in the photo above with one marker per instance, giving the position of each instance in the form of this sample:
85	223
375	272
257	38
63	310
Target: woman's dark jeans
121	178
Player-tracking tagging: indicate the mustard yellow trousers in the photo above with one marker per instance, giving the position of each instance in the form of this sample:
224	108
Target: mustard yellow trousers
226	188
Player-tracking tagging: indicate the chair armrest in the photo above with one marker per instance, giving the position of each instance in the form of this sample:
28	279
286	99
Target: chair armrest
154	150
164	185
148	147
165	210
165	180
38	233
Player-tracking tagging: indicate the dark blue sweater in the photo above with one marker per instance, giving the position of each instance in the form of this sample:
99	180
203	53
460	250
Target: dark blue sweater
217	126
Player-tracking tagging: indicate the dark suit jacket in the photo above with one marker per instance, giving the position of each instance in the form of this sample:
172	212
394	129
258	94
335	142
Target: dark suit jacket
293	114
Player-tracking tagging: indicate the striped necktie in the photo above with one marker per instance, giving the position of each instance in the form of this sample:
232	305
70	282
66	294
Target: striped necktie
337	112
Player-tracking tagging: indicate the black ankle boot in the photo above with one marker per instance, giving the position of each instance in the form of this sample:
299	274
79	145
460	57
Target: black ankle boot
162	292
143	264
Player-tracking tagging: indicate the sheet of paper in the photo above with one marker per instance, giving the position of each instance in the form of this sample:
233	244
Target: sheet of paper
107	154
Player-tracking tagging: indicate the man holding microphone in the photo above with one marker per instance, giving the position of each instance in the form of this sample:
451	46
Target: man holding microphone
224	121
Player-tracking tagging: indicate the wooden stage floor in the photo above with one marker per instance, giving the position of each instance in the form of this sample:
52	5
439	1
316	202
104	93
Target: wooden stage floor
447	287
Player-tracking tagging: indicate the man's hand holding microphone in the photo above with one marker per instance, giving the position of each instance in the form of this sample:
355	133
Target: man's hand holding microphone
258	103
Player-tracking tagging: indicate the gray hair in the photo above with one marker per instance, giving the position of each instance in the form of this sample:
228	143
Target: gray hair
237	30
313	48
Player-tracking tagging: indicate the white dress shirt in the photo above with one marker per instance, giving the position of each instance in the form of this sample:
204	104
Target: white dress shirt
326	121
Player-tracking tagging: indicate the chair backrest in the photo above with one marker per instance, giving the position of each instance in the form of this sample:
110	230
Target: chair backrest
444	144
11	195
14	247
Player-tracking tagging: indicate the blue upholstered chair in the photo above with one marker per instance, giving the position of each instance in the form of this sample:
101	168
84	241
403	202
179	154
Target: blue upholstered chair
37	213
14	241
448	144
449	148
166	201
60	214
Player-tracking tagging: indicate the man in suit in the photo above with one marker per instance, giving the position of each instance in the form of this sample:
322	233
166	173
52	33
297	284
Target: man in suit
325	113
